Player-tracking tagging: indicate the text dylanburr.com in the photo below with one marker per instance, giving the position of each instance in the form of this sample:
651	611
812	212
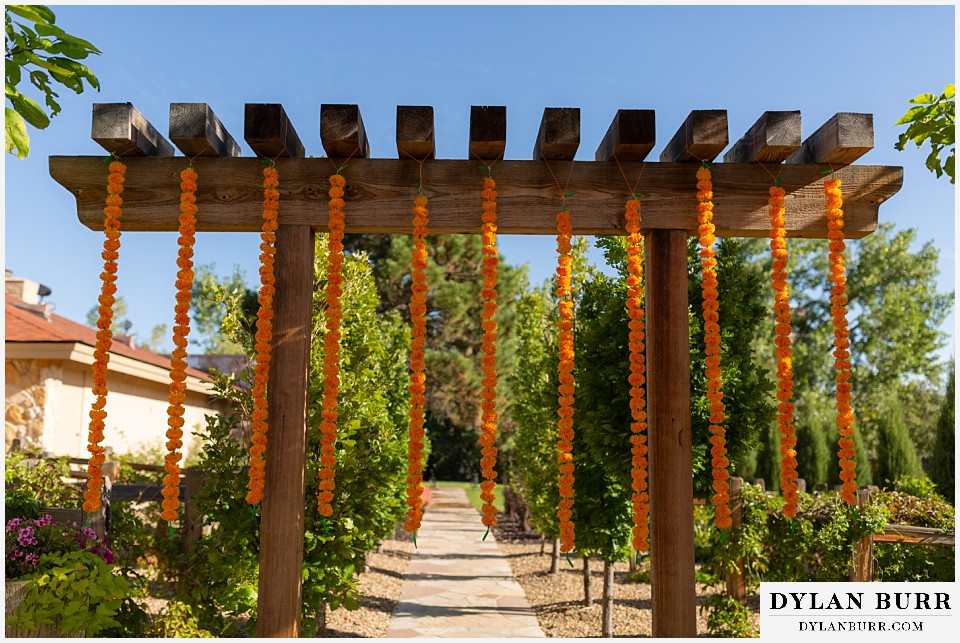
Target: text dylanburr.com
858	611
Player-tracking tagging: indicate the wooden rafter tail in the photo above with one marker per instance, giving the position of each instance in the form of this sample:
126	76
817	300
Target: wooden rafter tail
488	132
630	137
269	132
342	133
196	131
840	141
701	137
415	137
123	131
772	139
559	135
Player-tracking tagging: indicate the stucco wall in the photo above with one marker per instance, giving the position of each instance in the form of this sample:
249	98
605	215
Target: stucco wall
47	402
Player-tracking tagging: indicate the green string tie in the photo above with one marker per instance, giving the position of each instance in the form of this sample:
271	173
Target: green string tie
831	172
563	201
415	540
253	513
419	188
340	169
486	534
793	524
636	561
109	157
568	559
777	180
487	168
723	536
269	162
705	164
636	196
171	529
89	518
323	523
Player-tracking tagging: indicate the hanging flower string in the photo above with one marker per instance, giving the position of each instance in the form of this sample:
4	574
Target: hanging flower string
258	448
566	388
638	402
781	307
181	328
841	343
418	312
101	354
331	346
711	327
489	353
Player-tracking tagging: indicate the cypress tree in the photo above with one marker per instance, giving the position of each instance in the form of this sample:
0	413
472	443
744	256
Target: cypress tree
896	455
942	467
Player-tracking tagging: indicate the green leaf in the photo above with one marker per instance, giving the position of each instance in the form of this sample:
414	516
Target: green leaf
34	13
924	99
350	603
949	91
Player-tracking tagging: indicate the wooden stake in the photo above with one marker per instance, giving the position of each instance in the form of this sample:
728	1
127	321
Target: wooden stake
607	601
736	585
673	586
192	529
587	588
861	564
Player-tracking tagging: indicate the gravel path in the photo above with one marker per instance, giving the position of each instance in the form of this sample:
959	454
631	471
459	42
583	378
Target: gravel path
557	599
380	588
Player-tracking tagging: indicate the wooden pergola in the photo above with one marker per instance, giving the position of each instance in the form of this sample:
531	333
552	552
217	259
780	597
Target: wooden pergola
379	197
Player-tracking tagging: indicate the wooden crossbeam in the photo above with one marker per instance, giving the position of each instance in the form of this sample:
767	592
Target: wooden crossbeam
909	534
773	138
701	137
840	141
488	132
230	195
269	132
559	135
342	133
630	137
123	131
196	131
415	132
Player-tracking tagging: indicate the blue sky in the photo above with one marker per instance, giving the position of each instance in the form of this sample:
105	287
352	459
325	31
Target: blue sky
745	59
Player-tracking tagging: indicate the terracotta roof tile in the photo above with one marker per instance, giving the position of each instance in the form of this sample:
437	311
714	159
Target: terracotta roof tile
25	325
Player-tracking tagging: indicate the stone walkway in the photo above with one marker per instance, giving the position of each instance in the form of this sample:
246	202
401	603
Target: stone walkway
458	585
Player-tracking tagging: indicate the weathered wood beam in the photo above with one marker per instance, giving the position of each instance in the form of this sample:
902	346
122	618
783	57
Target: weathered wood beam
269	132
840	141
231	195
702	137
488	132
342	133
630	137
123	131
773	138
196	131
415	137
282	509
908	534
672	583
559	135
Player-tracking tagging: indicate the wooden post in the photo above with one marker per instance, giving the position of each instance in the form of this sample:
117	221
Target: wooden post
673	586
607	601
861	566
587	588
555	557
267	129
736	585
192	520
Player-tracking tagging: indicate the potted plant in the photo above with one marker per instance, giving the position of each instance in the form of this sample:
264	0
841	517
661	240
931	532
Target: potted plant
59	580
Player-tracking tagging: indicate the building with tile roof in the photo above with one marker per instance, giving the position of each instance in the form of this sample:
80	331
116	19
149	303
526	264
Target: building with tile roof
48	379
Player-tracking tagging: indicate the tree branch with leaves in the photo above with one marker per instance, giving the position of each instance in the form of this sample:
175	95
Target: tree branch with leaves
932	121
45	54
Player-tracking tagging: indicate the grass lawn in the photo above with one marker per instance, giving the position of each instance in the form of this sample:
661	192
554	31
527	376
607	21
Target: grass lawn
473	493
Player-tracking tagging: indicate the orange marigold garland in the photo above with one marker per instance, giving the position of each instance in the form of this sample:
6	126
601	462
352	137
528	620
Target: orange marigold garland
781	307
271	205
638	402
331	346
489	352
101	354
711	327
841	343
181	328
566	388
418	312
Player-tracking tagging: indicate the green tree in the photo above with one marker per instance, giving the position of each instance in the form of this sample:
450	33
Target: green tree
814	450
212	297
454	336
943	464
48	56
371	463
931	121
896	455
119	323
